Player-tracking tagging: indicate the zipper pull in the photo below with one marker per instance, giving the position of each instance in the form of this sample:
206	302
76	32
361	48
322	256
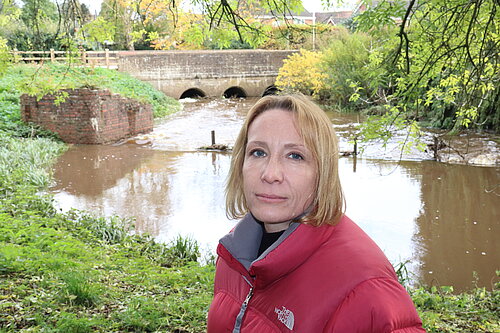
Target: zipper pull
243	309
249	296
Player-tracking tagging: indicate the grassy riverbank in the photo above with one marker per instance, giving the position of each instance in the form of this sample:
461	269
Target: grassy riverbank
79	273
40	80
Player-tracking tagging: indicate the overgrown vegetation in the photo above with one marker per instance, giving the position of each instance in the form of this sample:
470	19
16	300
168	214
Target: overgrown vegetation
301	72
50	78
75	272
443	311
432	63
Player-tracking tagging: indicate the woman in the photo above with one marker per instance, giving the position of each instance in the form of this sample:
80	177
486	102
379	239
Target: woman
295	262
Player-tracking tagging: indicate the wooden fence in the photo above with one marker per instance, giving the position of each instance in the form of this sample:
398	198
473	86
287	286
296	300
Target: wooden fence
104	58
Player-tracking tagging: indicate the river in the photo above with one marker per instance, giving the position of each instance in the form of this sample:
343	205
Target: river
443	218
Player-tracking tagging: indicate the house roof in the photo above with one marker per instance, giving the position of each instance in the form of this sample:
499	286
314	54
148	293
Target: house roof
333	17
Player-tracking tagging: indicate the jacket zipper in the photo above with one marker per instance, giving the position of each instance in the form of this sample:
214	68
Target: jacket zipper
243	309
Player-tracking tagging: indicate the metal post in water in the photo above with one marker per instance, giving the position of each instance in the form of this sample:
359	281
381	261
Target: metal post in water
355	152
213	138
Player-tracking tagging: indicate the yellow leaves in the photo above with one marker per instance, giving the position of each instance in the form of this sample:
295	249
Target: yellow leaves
376	58
302	72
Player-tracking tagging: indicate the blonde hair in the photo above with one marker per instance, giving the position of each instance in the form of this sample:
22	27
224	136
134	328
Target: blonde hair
319	136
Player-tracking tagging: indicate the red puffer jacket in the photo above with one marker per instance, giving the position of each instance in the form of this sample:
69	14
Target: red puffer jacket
312	280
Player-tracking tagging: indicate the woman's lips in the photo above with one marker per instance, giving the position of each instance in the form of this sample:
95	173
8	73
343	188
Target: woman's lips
270	197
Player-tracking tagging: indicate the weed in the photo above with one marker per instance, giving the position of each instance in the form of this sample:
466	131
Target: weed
79	290
402	273
184	249
110	230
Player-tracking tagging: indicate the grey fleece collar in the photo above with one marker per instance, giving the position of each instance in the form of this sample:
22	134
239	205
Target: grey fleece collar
244	241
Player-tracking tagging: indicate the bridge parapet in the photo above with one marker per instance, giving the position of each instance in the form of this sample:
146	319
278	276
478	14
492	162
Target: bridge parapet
209	72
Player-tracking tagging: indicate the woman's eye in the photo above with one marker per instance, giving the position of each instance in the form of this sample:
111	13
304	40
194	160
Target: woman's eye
257	153
295	156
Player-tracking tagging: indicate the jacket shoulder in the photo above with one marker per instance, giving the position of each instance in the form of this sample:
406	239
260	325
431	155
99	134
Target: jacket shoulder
379	305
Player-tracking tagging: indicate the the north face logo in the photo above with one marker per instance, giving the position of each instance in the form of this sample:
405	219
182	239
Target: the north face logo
285	316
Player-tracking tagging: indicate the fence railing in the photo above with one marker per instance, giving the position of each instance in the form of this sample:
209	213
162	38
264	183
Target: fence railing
104	58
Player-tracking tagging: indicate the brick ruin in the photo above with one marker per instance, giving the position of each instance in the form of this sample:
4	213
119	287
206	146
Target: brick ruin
88	116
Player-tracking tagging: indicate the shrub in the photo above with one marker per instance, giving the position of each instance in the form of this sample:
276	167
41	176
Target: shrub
301	72
345	65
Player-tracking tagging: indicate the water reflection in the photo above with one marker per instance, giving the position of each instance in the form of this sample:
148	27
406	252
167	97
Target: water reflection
80	169
459	224
167	193
384	201
444	218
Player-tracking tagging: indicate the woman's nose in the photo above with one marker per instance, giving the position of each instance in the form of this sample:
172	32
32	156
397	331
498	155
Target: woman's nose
273	171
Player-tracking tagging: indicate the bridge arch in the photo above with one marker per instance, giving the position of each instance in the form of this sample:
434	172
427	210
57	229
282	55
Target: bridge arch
193	93
271	90
235	92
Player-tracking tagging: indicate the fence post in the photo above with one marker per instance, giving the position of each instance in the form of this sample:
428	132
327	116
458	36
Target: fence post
106	55
16	60
84	55
52	55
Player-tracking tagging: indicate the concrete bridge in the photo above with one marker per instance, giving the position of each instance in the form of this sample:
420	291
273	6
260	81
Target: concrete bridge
229	73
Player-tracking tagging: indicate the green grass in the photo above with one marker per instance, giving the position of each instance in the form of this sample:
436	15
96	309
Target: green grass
58	275
443	311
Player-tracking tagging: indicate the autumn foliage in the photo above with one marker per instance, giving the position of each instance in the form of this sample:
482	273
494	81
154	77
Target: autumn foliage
302	72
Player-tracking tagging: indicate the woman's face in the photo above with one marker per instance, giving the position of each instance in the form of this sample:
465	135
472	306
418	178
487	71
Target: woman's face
279	171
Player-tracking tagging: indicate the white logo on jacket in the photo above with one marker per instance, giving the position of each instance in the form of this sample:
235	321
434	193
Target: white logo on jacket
286	317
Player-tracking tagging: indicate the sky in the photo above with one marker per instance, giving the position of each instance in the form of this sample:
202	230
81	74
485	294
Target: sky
310	5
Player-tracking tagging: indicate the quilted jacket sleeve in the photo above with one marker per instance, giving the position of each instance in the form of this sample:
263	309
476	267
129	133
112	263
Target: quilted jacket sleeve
379	305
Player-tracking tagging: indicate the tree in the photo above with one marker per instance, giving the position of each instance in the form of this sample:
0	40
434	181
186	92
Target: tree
9	13
39	18
167	24
445	57
236	19
72	16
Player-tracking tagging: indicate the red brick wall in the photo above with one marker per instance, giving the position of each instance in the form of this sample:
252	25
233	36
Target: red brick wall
89	116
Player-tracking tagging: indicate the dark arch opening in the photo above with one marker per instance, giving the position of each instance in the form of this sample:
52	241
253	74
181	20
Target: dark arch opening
193	93
271	90
235	92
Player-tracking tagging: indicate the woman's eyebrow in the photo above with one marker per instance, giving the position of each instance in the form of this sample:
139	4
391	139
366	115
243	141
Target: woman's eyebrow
295	146
286	146
256	143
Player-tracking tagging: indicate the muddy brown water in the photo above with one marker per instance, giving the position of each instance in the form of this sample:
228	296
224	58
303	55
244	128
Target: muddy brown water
443	218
